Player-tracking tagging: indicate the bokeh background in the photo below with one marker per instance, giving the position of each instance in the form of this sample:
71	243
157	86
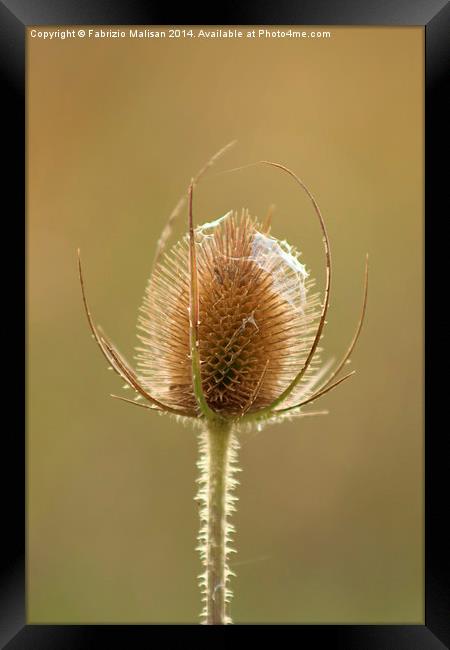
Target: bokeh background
330	520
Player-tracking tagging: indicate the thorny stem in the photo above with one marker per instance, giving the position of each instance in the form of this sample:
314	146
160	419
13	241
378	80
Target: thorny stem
218	455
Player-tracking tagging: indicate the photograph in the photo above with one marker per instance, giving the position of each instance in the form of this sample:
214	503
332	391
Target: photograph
231	220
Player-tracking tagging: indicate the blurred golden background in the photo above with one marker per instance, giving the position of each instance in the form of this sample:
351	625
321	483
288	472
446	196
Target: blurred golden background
330	519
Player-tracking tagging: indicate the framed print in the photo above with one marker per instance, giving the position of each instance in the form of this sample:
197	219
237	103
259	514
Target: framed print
244	203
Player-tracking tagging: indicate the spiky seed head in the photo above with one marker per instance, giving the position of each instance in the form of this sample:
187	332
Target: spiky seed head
257	319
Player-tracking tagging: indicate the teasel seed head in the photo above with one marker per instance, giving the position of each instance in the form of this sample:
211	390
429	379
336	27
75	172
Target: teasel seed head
230	325
257	318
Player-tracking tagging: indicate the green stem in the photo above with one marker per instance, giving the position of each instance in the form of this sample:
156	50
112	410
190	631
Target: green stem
218	446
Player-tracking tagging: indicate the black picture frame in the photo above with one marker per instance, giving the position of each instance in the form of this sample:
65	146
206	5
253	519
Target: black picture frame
434	16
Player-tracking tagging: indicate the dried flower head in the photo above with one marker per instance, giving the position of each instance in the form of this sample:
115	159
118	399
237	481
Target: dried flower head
256	319
229	332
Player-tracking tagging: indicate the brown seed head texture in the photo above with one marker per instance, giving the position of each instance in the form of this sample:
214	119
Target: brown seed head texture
257	318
